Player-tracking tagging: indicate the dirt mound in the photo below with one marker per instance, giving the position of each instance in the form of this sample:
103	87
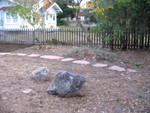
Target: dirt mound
91	54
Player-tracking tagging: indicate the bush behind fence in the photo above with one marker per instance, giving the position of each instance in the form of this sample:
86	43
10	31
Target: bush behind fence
77	37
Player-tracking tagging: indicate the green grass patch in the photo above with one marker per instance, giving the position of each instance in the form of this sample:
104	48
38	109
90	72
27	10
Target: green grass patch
148	101
134	64
139	96
117	99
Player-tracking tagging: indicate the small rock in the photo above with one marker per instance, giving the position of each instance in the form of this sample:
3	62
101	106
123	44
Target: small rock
4	98
41	74
26	91
67	84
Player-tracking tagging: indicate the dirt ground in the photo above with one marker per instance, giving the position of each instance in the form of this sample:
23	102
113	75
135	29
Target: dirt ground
106	91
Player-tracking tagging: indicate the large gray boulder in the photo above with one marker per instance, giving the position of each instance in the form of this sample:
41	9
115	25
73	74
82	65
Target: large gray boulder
67	84
41	74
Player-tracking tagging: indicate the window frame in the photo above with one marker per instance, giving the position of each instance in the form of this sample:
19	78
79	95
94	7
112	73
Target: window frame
13	19
53	17
8	20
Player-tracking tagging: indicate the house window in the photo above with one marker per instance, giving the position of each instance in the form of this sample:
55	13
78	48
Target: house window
50	16
34	19
79	18
1	22
15	19
53	16
8	18
47	17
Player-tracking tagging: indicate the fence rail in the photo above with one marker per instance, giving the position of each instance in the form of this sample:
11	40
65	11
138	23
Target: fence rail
132	39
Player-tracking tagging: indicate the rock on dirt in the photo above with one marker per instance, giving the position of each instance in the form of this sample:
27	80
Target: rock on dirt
41	74
67	84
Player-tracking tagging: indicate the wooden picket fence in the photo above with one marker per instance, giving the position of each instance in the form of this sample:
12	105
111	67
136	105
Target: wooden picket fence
77	37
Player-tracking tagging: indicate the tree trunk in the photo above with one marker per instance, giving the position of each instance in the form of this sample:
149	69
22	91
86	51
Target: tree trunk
111	44
123	43
123	40
87	34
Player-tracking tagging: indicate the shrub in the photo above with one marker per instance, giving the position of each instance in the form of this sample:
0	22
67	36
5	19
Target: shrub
56	42
61	23
53	41
90	53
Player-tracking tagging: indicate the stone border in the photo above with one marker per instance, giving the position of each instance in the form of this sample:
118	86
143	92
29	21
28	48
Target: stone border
79	62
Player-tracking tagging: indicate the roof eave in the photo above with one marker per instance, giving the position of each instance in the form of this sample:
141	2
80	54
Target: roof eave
55	4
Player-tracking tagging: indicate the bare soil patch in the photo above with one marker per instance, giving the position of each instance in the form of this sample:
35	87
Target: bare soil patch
106	91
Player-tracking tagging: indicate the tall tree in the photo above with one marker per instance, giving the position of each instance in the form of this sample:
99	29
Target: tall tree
67	12
29	12
25	10
119	16
75	4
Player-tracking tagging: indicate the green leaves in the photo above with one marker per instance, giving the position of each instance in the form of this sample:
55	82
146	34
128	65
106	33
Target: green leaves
125	15
26	12
68	7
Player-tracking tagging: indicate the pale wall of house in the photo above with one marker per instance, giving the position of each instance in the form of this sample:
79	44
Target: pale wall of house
81	18
4	3
1	15
10	24
51	21
19	23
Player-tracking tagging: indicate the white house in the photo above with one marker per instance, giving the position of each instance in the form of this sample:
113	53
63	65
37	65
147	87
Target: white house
82	18
50	18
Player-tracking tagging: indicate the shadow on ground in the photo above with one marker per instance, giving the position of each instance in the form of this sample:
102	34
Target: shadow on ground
12	47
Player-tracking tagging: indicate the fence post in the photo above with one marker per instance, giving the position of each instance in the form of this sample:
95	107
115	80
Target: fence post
0	35
33	36
142	40
103	41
